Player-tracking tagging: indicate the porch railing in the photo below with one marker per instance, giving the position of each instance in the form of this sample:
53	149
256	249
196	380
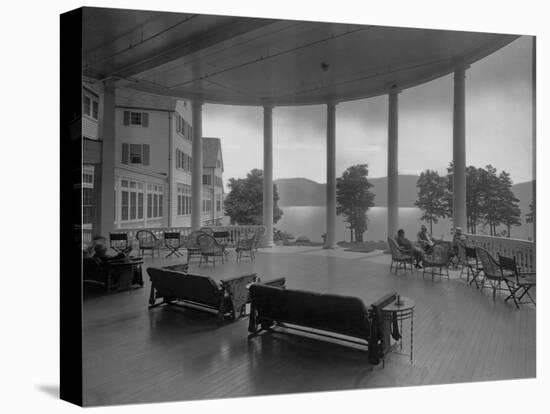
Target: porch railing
522	250
234	233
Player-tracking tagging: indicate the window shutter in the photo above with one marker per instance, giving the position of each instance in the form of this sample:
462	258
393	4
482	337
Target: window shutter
145	119
145	149
125	153
126	118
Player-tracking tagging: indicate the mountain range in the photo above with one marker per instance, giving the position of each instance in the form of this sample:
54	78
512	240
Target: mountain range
306	192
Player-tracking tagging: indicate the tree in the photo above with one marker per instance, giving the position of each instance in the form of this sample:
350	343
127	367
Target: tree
509	212
431	197
354	198
530	216
244	203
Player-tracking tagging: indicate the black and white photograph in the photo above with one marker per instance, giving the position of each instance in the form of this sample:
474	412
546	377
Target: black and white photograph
276	205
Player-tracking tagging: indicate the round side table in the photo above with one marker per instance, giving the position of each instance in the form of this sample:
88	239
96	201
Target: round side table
399	312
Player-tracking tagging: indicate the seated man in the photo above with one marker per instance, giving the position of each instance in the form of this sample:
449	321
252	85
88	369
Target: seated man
424	239
407	247
458	237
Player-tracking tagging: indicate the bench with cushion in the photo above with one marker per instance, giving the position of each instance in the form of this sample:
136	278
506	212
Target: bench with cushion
201	291
342	315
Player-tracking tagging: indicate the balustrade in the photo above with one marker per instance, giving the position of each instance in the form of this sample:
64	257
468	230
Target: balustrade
522	250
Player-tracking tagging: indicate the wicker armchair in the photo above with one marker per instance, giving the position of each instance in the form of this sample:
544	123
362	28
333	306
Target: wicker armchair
192	245
258	237
493	273
399	257
148	241
210	248
467	258
437	259
245	248
519	283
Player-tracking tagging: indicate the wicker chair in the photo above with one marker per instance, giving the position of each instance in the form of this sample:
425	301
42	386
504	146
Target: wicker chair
148	241
467	257
493	272
245	248
210	248
518	282
399	257
258	237
437	259
192	245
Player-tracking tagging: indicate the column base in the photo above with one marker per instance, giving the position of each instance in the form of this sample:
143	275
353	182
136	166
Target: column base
330	246
268	244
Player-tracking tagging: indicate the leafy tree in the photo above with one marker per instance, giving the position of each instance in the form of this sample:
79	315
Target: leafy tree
431	197
509	212
354	198
530	216
244	203
489	199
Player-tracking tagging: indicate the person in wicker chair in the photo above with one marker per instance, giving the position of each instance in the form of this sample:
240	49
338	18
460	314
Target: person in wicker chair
424	239
406	246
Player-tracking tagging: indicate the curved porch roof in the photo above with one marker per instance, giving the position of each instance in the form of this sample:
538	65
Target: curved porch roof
250	61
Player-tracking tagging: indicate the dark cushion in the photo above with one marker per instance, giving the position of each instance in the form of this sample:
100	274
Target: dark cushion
177	285
342	314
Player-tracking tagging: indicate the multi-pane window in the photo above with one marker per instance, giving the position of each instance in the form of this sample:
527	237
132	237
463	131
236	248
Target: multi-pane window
206	179
183	128
218	205
184	199
135	154
218	181
206	202
90	106
87	197
154	200
183	161
131	200
95	109
136	118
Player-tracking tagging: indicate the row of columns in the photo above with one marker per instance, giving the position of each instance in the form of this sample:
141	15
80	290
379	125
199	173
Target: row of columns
106	200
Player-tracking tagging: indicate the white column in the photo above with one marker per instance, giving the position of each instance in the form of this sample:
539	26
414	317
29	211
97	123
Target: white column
330	242
268	176
196	178
105	217
393	170
459	149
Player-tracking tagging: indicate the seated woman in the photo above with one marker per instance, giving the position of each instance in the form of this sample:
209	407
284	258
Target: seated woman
424	239
407	247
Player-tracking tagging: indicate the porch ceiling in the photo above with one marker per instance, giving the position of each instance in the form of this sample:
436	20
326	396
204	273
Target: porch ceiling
248	61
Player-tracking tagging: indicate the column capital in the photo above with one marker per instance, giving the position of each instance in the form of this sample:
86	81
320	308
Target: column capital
392	88
109	85
460	68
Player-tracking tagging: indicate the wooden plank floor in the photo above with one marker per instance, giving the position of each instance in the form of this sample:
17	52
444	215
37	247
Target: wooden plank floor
136	355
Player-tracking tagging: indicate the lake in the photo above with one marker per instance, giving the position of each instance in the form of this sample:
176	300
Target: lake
310	221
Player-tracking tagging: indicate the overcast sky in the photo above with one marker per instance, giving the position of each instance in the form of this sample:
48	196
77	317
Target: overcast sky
498	126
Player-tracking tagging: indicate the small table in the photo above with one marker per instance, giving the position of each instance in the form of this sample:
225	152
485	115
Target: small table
127	272
399	312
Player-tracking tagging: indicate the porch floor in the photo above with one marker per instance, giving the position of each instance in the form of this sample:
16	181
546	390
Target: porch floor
135	355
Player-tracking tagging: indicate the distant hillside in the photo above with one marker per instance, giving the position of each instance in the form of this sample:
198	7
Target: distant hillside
305	192
300	192
524	192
